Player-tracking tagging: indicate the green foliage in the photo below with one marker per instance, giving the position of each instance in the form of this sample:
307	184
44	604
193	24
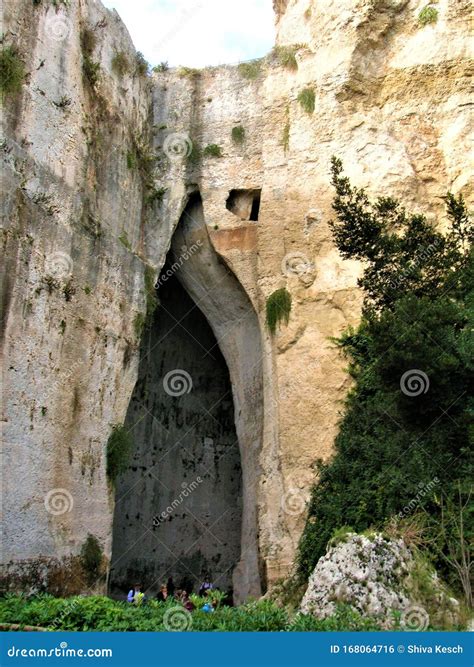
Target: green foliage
278	308
131	160
88	41
403	253
250	70
150	292
119	448
101	614
63	103
391	443
91	558
340	535
141	64
139	324
91	70
286	55
123	238
162	67
12	71
120	64
212	150
307	99
238	134
428	14
189	72
156	195
285	140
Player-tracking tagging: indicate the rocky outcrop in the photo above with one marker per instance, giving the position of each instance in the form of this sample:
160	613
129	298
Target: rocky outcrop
380	578
99	170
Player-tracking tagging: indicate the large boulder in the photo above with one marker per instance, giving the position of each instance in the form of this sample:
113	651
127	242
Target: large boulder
381	578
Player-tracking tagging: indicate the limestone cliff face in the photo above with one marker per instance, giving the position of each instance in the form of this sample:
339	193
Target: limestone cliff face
390	99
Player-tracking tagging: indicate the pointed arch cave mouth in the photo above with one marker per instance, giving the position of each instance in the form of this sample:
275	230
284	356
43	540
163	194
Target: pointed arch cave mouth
186	505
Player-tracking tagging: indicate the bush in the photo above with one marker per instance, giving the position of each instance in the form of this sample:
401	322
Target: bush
278	308
120	64
12	71
190	72
119	448
101	614
307	99
212	150
142	65
162	67
394	435
238	134
286	55
250	70
428	15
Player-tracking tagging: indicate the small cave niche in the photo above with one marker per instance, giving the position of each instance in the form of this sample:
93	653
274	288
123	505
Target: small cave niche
244	204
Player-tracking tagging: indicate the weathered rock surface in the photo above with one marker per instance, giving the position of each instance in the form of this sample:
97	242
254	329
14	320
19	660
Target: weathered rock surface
377	577
81	226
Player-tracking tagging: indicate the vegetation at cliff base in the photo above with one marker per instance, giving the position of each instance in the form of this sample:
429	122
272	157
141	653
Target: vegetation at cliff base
278	308
105	615
119	449
12	71
405	444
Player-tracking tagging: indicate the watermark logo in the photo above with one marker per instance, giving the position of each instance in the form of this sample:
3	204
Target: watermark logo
295	264
177	382
59	264
293	502
177	619
177	146
187	490
414	619
58	28
58	501
414	382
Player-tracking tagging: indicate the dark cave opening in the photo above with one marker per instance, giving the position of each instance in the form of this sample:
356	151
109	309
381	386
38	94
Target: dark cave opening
178	508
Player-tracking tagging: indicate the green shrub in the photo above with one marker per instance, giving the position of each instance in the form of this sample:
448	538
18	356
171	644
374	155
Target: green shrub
238	134
428	15
139	324
120	64
142	65
119	449
417	315
212	150
285	140
156	195
162	67
12	71
190	72
101	614
307	99
278	308
131	160
88	41
250	70
91	558
286	55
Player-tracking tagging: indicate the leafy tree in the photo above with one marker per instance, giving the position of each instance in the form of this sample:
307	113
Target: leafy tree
408	419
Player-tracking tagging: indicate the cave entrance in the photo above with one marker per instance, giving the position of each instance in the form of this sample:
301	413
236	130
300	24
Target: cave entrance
186	506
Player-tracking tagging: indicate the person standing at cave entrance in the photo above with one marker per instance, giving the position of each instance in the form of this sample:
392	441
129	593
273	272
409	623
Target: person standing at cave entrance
135	595
170	587
206	586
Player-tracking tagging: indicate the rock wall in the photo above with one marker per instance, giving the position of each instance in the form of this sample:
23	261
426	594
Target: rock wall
390	99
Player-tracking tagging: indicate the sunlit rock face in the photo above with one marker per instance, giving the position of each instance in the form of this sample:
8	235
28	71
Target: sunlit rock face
390	99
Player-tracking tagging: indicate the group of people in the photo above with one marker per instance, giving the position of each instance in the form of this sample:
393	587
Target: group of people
169	591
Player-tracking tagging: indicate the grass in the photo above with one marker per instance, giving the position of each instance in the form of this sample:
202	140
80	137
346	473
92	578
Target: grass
120	64
250	70
238	134
307	99
212	150
286	55
278	308
119	449
12	71
428	15
101	614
